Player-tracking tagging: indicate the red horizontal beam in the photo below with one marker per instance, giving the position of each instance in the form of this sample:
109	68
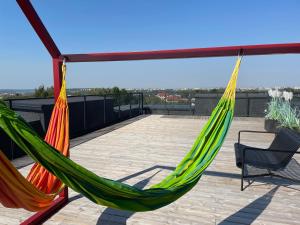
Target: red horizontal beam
39	27
187	53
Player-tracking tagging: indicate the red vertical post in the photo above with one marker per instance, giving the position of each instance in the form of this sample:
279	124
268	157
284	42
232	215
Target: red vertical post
57	80
57	75
62	199
50	45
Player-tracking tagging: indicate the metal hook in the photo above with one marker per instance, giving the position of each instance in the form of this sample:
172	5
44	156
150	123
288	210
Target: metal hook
241	53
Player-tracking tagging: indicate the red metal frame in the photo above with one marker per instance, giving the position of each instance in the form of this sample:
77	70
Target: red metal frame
62	200
186	53
57	75
54	52
39	27
57	58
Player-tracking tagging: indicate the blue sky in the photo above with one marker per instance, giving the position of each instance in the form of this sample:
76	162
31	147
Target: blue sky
118	25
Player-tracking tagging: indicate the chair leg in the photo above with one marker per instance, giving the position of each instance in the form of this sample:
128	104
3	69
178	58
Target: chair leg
242	176
243	169
242	183
242	179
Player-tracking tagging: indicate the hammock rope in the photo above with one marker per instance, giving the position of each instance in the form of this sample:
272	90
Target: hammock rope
119	195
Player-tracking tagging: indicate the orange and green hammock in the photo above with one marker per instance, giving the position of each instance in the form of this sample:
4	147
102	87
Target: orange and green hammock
41	187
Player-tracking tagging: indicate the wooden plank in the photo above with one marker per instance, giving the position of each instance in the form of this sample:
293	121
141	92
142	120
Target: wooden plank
153	146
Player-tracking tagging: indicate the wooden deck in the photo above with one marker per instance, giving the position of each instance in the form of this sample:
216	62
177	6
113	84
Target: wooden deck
145	151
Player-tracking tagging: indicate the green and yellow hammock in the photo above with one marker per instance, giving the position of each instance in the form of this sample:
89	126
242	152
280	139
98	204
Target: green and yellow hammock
101	190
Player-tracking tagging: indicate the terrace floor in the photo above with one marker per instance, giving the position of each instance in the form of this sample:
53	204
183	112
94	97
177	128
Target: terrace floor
143	152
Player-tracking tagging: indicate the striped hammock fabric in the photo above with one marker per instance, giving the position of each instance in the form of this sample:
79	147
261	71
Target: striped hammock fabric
119	195
57	136
41	187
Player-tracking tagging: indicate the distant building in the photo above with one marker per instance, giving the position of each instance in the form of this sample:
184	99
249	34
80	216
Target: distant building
162	95
173	98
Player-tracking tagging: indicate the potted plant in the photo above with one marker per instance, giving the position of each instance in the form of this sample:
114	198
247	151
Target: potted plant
280	113
273	111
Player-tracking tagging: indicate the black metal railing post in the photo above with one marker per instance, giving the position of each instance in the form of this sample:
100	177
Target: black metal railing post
119	105
104	108
248	105
142	96
140	109
130	99
139	103
10	103
190	102
166	103
84	113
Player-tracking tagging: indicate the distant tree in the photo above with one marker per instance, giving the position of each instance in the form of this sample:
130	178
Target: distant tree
42	92
39	92
124	96
50	91
115	91
123	92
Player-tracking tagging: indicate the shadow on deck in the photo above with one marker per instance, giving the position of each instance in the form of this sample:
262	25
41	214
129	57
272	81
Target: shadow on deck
246	215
